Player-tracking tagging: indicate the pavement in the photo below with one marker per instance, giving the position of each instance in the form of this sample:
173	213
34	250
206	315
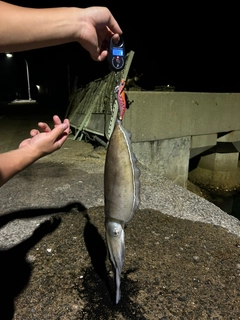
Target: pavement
72	178
74	174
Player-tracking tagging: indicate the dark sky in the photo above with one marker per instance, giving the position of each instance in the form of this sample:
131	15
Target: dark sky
191	48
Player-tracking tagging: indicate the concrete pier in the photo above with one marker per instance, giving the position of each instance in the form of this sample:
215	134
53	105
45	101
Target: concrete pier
219	170
170	128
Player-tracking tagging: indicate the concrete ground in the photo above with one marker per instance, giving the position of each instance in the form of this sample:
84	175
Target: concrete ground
182	252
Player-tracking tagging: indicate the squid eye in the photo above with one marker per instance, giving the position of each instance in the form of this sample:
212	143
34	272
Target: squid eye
114	229
116	232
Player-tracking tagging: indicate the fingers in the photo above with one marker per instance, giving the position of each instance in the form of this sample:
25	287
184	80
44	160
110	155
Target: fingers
66	121
105	45
116	38
59	130
44	127
113	25
56	120
100	27
59	134
100	54
34	132
55	137
61	140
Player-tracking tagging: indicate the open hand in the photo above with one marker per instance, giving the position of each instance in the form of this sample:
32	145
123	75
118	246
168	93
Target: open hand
48	140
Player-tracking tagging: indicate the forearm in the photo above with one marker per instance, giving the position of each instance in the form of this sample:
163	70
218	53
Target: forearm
27	28
14	161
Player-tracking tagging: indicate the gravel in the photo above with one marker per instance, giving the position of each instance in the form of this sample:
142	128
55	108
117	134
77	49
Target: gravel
182	252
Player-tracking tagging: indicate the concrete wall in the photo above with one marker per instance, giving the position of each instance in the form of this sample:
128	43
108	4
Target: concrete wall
162	115
169	157
169	128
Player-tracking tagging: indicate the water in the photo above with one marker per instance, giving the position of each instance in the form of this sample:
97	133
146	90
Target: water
230	204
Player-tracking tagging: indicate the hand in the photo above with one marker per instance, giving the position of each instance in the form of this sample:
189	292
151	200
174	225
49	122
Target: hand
48	140
92	27
97	26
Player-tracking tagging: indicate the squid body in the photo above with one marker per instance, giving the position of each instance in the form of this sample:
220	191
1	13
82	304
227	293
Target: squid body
121	195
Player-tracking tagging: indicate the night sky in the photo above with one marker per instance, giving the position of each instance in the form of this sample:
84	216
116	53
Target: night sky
193	48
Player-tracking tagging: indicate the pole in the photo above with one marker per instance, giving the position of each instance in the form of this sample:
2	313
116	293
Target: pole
29	91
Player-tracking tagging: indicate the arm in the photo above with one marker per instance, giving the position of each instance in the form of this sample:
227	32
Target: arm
32	149
26	28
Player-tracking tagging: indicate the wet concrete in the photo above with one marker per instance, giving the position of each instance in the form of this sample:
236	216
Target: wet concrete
182	252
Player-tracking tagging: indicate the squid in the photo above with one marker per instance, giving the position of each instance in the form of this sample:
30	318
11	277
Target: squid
121	194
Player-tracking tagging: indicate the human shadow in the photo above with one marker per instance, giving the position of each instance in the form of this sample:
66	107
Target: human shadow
15	271
38	212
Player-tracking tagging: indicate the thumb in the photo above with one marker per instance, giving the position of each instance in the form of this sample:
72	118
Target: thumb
34	132
58	131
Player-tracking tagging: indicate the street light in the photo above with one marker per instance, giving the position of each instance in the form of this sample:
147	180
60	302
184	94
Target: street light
9	55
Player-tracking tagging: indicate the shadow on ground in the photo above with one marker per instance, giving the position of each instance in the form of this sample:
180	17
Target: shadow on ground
173	269
15	270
